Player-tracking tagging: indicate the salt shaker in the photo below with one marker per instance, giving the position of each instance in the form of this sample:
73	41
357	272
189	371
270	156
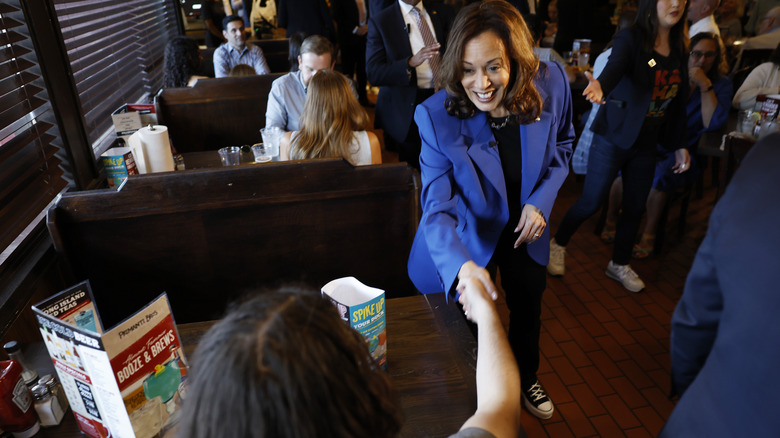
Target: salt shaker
50	381
46	406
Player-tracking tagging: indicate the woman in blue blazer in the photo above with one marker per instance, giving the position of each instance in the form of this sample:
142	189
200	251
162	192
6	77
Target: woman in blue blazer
496	143
646	86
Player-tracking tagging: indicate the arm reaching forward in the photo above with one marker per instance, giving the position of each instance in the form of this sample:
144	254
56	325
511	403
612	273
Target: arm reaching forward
498	378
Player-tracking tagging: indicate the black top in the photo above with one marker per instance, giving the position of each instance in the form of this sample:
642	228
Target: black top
508	139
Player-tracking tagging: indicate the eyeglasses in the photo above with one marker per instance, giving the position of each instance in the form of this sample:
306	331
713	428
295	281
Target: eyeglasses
698	54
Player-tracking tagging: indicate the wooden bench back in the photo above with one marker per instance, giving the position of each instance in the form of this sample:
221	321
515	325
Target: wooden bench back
204	236
215	112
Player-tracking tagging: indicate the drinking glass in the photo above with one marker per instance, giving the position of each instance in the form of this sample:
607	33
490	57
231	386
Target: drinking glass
230	156
262	153
272	137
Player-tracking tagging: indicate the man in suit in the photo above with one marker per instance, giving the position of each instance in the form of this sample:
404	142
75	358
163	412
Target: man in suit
352	19
310	16
724	342
398	60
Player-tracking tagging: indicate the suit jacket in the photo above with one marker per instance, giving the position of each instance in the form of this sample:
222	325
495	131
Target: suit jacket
346	14
627	83
310	16
464	197
387	53
724	341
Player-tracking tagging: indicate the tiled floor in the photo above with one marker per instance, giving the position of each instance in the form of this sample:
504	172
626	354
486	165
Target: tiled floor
605	350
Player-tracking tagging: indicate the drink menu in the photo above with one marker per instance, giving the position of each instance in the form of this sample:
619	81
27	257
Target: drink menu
127	381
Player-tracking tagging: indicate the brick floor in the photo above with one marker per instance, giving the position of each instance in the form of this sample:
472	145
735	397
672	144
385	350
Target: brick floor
605	350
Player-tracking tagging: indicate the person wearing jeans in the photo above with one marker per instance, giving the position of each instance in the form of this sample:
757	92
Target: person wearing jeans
642	93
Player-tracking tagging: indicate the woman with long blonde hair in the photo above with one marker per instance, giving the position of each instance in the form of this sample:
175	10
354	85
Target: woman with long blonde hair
333	124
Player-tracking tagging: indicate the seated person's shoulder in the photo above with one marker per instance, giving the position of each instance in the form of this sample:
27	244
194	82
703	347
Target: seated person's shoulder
284	80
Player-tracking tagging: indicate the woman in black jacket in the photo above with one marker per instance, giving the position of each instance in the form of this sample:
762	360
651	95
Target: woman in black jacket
642	90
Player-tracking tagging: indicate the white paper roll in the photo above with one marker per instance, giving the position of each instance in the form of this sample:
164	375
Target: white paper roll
136	145
157	148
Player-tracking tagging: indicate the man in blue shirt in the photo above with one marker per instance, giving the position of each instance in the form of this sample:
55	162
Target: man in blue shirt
288	93
235	51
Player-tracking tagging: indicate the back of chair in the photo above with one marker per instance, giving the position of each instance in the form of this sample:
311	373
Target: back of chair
276	53
215	112
204	236
747	61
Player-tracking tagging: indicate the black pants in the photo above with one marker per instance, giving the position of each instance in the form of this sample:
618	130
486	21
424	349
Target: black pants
353	62
523	281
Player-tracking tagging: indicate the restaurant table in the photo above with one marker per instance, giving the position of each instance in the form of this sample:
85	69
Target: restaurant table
210	159
730	149
431	356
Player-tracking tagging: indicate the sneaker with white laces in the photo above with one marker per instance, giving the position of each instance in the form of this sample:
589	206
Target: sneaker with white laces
537	402
626	276
556	267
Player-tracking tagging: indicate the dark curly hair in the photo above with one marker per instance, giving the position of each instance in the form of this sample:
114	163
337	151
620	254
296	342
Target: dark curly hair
522	99
283	364
182	60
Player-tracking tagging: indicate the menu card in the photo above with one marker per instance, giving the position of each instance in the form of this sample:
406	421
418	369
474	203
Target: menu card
363	307
124	382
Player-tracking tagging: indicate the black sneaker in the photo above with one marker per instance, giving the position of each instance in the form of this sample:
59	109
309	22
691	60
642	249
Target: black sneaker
537	402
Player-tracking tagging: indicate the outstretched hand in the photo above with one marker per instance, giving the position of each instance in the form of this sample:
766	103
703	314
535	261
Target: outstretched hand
593	91
477	303
471	270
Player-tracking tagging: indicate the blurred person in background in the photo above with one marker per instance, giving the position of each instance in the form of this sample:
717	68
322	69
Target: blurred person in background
333	124
764	79
707	110
181	63
642	93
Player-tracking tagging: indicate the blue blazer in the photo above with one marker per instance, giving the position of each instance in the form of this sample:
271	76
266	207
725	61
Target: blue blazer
464	197
724	341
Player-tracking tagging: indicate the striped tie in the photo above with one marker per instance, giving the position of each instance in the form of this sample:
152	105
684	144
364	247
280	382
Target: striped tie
428	39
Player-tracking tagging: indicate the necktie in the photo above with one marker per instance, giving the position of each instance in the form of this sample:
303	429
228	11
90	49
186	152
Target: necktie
428	39
361	11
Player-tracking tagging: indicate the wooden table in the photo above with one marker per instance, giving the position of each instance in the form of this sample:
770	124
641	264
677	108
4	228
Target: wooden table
730	155
210	159
431	360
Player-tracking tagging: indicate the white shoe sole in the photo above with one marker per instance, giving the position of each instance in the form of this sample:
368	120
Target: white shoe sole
616	278
536	412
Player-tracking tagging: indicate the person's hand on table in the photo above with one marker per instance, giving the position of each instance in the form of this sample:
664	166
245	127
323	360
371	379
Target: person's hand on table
472	271
593	91
477	303
682	160
530	226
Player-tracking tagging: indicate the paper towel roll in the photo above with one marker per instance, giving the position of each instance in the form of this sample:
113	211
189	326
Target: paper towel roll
157	148
136	145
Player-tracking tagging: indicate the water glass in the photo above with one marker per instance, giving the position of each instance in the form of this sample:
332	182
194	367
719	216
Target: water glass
272	137
262	153
230	156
